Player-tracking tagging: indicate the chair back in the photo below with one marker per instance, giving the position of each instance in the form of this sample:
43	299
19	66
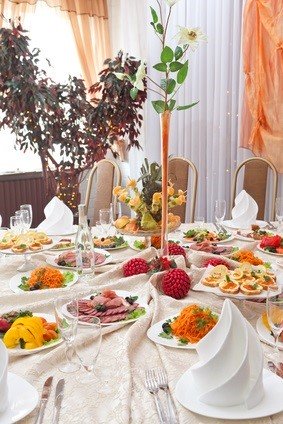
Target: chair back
108	175
179	172
255	183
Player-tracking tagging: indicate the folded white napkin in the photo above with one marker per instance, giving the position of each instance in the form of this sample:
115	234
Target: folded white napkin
229	371
3	377
0	220
245	211
59	218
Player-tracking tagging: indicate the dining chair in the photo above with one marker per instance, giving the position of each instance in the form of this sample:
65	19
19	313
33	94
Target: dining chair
255	182
103	177
180	171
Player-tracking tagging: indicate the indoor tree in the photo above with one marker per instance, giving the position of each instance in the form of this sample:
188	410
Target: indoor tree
57	121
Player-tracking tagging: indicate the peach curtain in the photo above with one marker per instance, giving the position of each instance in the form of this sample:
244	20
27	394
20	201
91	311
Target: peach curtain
10	10
262	121
89	21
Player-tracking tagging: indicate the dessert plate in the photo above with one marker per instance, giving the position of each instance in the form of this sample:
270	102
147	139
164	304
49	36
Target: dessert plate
229	224
265	335
187	395
23	398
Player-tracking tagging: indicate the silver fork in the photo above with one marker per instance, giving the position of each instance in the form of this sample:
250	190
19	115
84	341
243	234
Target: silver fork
162	381
153	388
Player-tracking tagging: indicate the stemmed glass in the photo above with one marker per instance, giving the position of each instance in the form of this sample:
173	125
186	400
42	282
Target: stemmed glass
15	224
67	323
106	219
274	311
90	333
27	216
279	211
219	211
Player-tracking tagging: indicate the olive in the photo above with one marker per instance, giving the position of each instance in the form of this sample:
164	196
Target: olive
92	297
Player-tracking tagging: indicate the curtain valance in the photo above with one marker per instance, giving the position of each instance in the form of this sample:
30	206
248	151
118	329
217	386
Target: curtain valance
80	7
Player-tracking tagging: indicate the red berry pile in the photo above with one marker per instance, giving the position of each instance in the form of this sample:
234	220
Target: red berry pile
215	262
175	249
176	283
135	266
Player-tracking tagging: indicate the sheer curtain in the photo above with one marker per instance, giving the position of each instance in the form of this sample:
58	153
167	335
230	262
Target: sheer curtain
208	133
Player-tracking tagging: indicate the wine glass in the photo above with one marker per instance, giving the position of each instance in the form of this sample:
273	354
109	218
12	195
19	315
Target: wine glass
219	210
66	314
27	208
25	220
274	311
105	218
279	211
15	224
199	221
90	333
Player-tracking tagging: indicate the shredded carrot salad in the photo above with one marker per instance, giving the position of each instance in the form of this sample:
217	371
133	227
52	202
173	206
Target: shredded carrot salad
247	256
49	277
193	323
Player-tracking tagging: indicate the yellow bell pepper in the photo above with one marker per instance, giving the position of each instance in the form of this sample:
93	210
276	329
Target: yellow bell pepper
28	329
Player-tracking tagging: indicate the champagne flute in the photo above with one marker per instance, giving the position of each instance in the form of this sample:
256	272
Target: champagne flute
27	208
105	218
66	314
25	220
274	311
279	211
90	333
219	211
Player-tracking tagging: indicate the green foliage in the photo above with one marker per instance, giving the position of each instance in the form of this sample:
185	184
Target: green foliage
43	114
167	55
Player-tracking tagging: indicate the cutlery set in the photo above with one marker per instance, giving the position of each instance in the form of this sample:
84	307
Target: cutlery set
59	392
155	380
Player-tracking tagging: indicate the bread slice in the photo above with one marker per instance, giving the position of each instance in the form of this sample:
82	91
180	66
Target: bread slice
211	281
231	287
251	289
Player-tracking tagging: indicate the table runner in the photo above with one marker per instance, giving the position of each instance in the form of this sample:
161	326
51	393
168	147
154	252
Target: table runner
125	352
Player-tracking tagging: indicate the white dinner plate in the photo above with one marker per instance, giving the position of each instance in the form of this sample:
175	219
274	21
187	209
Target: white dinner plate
229	224
265	335
185	241
187	395
279	255
17	351
245	238
108	258
22	399
16	280
122	293
67	233
29	252
154	331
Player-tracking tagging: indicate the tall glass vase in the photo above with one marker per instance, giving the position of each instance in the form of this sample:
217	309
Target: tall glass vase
165	129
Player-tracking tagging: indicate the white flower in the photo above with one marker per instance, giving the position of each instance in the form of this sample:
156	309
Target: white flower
171	2
191	36
140	75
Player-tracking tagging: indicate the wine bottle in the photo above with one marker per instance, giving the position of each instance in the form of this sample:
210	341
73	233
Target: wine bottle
84	246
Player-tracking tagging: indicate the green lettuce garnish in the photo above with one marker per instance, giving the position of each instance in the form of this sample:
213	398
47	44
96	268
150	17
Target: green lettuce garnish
139	312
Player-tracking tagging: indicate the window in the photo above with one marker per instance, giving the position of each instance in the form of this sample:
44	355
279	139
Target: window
50	31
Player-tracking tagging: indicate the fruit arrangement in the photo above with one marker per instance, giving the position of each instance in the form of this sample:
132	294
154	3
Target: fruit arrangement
272	244
138	266
147	202
26	331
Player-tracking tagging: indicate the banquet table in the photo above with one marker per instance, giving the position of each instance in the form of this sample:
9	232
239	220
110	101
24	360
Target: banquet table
119	396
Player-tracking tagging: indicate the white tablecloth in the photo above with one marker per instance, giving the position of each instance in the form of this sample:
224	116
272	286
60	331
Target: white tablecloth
125	353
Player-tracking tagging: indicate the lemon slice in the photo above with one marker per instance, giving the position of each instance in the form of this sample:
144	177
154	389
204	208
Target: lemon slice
237	274
246	267
219	271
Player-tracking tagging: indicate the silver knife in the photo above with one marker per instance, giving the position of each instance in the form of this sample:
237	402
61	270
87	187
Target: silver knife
59	392
44	398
